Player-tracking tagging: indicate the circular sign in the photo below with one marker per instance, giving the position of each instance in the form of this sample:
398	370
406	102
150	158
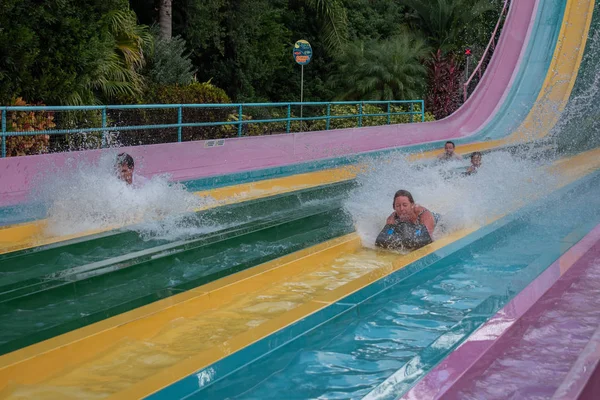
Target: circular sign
302	52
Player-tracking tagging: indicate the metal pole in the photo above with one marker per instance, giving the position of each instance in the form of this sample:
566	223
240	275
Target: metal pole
467	69
328	116
301	96
389	115
289	116
179	121
412	109
360	114
104	138
4	133
240	117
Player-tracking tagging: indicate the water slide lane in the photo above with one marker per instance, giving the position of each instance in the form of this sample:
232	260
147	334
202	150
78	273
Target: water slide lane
533	66
33	234
376	331
540	342
228	315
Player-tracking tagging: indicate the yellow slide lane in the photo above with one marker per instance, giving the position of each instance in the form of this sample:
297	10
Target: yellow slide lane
32	234
562	73
141	351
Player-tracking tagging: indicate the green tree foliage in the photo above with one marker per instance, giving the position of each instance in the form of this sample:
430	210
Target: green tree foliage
74	52
446	22
238	44
119	72
170	63
382	70
375	20
67	51
449	26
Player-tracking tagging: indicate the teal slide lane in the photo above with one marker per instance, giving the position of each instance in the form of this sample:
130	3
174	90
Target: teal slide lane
406	323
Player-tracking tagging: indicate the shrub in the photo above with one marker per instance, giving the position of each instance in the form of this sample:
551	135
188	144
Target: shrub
195	93
27	121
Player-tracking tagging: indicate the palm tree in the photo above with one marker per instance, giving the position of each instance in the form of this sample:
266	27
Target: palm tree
165	19
334	21
444	22
118	73
388	70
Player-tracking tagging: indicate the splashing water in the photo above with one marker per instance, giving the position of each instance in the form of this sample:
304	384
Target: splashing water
84	196
579	126
503	182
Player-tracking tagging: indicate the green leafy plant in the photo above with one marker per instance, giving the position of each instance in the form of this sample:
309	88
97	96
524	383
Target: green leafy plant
195	93
385	70
169	62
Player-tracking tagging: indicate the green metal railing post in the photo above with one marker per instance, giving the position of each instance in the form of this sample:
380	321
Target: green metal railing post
389	113
360	114
240	116
105	129
179	122
3	132
104	139
289	118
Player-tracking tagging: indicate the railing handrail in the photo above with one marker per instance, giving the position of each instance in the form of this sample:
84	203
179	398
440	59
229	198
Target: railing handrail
105	129
198	105
486	51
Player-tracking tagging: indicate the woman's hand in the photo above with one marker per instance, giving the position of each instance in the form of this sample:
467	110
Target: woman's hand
391	220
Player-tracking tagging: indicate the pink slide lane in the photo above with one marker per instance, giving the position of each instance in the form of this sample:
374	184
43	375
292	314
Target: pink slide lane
545	343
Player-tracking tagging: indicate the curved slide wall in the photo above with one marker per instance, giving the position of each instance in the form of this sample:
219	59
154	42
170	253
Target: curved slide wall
514	76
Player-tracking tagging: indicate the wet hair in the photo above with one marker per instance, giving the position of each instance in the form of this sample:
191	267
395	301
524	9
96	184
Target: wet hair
404	193
125	159
476	153
449	142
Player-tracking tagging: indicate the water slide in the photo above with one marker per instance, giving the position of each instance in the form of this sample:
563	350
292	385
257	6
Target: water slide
281	297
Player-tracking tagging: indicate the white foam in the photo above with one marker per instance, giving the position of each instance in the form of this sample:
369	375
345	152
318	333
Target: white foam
503	182
83	196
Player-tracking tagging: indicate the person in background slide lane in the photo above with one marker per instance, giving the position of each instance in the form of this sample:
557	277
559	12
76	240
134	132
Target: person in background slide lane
475	163
125	171
449	153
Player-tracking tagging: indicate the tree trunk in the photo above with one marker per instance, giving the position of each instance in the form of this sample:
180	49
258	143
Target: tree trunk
165	20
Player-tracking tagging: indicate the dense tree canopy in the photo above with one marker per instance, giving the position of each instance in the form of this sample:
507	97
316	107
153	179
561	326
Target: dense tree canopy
71	52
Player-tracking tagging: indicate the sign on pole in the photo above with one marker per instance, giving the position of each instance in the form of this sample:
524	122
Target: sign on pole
468	56
302	55
302	52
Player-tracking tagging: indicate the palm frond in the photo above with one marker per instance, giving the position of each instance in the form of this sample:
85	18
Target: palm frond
335	21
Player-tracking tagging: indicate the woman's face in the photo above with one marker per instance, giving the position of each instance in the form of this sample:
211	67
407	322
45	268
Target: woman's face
125	173
403	207
476	161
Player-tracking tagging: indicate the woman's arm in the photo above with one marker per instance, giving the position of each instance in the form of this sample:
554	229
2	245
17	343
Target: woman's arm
391	220
429	222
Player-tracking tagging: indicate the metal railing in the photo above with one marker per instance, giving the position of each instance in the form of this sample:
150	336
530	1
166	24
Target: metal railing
411	108
488	50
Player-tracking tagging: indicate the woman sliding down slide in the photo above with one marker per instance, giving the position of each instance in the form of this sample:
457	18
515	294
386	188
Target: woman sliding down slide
409	227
